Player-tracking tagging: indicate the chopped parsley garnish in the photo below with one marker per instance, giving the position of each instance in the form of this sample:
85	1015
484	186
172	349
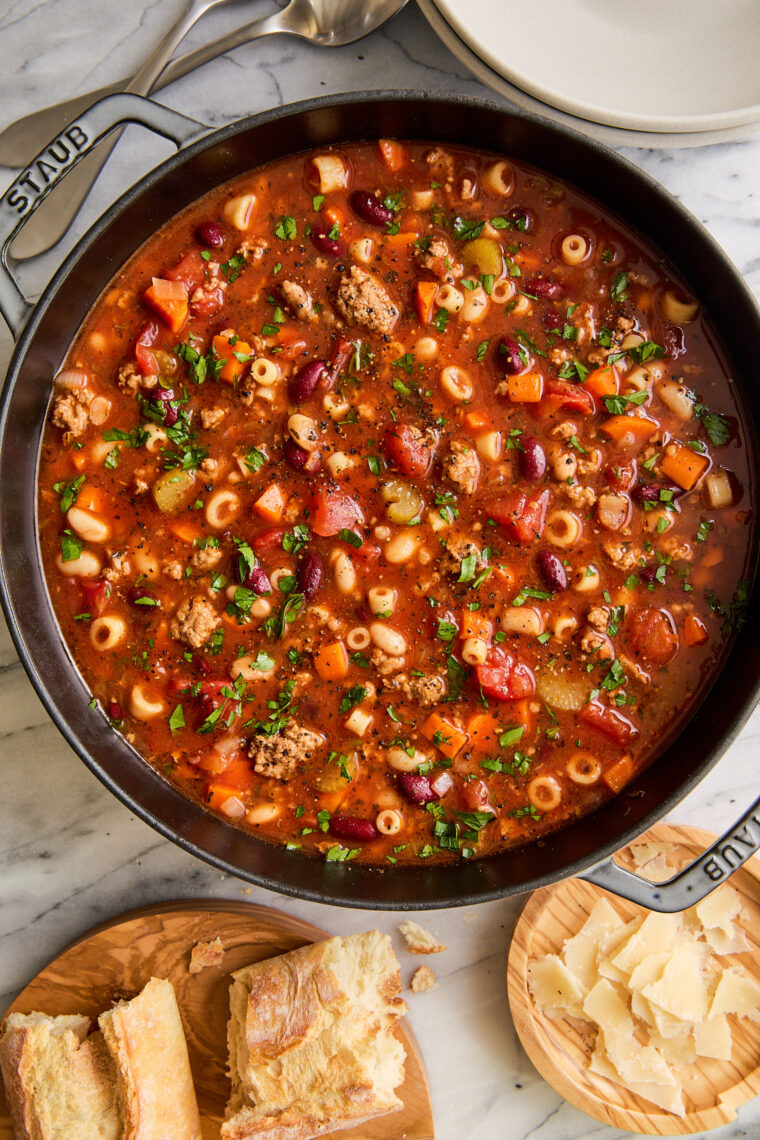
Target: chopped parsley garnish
255	459
69	492
446	630
467	231
177	719
482	350
295	540
350	537
704	529
277	623
457	676
530	592
646	351
373	462
286	228
71	547
198	366
526	340
619	287
134	438
234	267
618	405
317	202
716	425
468	567
353	697
440	319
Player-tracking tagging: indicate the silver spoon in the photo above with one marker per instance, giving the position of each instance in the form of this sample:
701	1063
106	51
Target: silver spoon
328	23
49	223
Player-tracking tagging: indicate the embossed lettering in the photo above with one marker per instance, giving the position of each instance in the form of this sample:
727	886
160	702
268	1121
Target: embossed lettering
19	200
27	180
77	137
734	858
713	870
58	151
44	167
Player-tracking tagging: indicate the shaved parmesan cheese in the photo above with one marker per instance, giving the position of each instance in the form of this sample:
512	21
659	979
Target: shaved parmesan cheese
606	1007
720	909
648	971
713	1038
682	989
637	1063
580	952
643	853
613	942
723	943
656	935
676	1051
736	993
664	1096
553	987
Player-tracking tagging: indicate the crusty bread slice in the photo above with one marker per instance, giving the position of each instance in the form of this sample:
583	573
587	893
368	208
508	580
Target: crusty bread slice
311	1041
154	1082
59	1082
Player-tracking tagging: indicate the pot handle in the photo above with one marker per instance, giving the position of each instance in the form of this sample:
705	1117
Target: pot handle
694	882
61	155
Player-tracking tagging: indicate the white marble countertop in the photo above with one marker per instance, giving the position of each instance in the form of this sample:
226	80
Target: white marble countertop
71	855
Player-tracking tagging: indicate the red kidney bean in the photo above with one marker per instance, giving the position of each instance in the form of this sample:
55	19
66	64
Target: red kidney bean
210	234
672	341
295	456
417	789
95	594
545	288
508	356
304	383
171	415
114	710
309	574
257	581
650	492
552	319
531	458
349	827
647	574
522	218
441	784
320	235
369	208
552	571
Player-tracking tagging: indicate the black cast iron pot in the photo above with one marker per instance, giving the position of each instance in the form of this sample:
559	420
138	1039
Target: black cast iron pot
44	333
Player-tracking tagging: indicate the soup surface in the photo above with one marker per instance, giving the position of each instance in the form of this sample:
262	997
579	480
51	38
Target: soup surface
394	503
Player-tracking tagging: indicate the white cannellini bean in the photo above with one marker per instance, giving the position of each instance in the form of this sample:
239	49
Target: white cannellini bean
87	565
399	759
262	813
426	348
343	572
389	640
335	405
402	547
488	446
303	431
338	463
362	250
244	667
456	383
475	305
99	410
88	525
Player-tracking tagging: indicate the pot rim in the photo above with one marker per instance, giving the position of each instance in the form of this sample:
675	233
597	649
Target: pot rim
350	875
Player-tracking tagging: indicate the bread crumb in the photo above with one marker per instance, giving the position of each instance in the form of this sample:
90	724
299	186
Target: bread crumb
423	979
418	940
205	954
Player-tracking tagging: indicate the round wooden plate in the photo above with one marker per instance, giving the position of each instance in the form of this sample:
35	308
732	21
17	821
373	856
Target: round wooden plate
559	1049
115	961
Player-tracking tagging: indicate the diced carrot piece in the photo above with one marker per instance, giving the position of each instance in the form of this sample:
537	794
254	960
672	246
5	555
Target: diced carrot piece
233	368
483	731
424	299
520	711
528	259
694	631
271	503
185	531
619	773
475	624
505	574
683	465
330	801
331	661
645	300
525	387
168	299
445	735
240	775
476	420
630	431
603	382
713	557
90	498
79	459
392	153
403	237
218	794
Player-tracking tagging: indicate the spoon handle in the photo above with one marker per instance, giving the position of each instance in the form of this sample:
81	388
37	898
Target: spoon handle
27	136
51	221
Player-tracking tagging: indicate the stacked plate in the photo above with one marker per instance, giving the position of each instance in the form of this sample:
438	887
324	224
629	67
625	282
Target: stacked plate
642	74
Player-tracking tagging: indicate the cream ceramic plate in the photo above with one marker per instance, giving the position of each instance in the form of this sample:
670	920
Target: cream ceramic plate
612	136
684	65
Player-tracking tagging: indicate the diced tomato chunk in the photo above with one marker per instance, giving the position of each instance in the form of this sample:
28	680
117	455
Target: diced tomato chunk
209	302
622	475
367	555
610	722
521	515
190	271
332	511
95	594
146	360
405	446
169	300
653	637
473	796
269	540
568	396
504	678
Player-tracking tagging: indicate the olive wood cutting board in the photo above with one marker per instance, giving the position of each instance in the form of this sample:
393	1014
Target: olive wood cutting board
713	1090
115	960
